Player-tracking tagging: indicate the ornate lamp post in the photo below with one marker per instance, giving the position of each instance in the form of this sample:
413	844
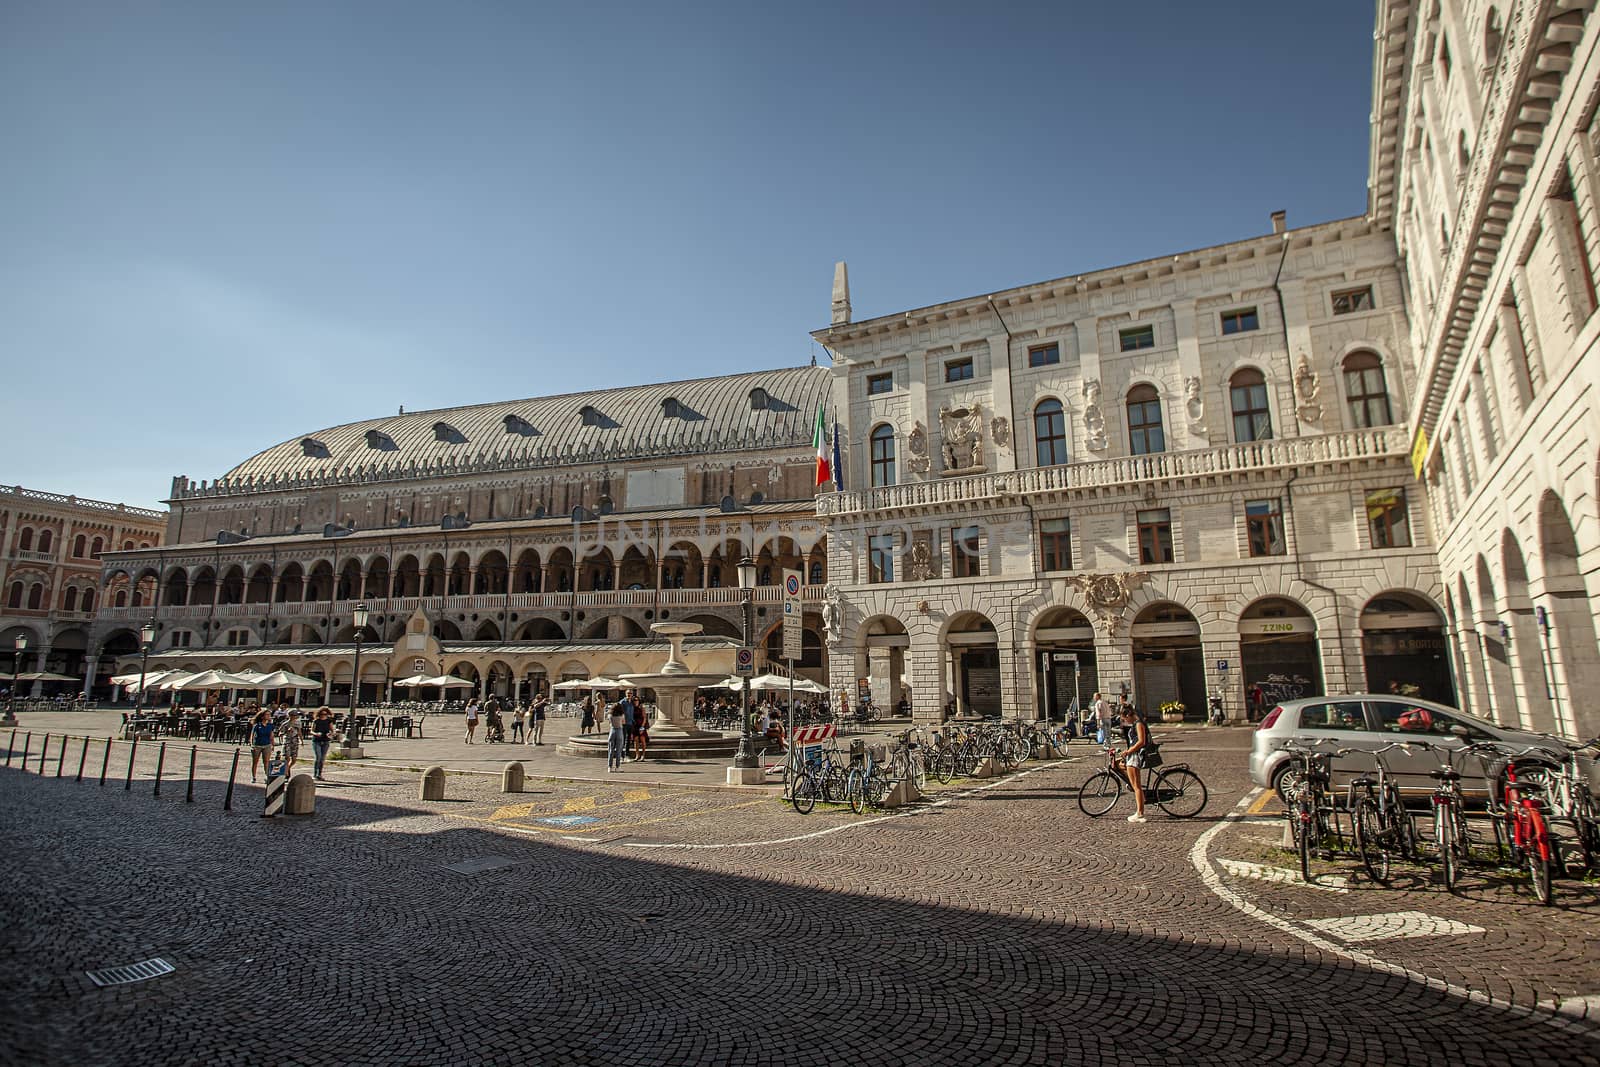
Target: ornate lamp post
19	646
352	730
147	637
746	757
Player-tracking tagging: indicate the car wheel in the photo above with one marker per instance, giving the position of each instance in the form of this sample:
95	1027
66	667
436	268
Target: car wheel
1286	782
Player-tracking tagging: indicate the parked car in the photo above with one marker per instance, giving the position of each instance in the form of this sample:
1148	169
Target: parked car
1368	721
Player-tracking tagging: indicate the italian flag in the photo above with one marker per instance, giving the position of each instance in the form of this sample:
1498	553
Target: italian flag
820	439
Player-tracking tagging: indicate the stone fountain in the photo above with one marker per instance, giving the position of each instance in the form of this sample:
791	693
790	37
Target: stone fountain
673	732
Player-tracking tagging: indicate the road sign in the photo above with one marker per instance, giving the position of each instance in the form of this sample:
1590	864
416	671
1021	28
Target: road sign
1064	657
1222	665
792	614
744	661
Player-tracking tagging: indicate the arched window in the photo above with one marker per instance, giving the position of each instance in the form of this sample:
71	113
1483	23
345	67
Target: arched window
122	598
46	539
1492	37
1144	421
25	542
78	545
14	600
35	596
97	548
1049	433
70	602
816	575
1252	421
883	455
88	600
1366	393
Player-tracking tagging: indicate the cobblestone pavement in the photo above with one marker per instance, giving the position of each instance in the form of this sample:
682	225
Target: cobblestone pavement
996	924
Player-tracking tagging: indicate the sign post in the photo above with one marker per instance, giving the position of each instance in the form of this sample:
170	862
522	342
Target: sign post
792	630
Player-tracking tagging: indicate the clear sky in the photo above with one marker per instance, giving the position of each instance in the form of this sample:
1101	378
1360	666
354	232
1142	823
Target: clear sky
226	225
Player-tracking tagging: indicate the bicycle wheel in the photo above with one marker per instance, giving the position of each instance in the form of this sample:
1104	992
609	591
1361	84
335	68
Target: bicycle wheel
1444	837
967	760
1539	869
919	773
1371	839
944	765
803	794
878	787
833	780
1306	816
1100	793
855	790
1180	792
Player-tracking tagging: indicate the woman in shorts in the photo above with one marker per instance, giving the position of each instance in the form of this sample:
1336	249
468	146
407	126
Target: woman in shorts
261	731
1136	735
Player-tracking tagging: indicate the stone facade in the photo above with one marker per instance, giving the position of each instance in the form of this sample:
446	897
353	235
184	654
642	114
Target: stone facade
50	574
1488	170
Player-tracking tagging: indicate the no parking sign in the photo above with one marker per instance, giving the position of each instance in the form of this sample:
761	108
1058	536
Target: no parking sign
744	661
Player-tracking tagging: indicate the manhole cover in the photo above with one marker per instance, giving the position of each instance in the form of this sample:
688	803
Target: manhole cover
480	864
142	971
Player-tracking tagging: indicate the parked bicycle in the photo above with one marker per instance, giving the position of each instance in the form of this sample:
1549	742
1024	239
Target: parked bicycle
1312	815
1379	822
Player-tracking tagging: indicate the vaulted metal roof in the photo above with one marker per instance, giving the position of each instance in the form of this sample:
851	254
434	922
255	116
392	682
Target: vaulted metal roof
706	415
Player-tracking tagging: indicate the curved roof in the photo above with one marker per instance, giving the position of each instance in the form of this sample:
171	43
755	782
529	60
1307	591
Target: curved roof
709	414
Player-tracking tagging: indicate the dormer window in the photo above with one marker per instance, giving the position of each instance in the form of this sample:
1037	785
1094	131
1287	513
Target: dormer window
671	409
381	441
443	431
520	426
759	400
314	448
591	415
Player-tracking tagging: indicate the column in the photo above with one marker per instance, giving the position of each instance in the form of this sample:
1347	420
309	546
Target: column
917	407
1227	684
1002	459
1298	332
91	659
1180	426
44	660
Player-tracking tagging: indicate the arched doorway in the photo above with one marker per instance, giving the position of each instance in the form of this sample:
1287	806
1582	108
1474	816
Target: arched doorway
1566	621
1520	632
974	650
1168	662
1279	655
1065	670
882	644
1403	647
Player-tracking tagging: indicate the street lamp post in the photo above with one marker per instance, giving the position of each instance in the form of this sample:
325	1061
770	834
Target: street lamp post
147	637
352	731
19	646
746	757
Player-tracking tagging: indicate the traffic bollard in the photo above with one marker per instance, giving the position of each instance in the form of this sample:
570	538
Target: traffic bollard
27	743
44	751
188	797
227	798
10	745
161	761
132	752
105	764
83	758
61	757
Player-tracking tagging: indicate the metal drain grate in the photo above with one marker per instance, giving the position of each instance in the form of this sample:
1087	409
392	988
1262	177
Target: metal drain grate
142	971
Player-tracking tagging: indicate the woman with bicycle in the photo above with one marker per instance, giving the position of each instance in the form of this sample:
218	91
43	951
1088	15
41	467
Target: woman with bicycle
1136	735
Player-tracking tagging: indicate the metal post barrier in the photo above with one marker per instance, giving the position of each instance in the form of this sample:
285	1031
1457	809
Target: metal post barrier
227	798
11	744
161	762
105	764
132	752
44	751
83	758
61	757
27	743
189	796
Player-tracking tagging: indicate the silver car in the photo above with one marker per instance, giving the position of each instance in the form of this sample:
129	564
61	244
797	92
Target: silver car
1368	721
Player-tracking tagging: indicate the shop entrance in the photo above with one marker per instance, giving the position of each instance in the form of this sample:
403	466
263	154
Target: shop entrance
1168	662
1403	648
1280	657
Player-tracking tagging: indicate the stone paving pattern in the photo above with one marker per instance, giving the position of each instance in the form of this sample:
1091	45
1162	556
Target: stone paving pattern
1001	926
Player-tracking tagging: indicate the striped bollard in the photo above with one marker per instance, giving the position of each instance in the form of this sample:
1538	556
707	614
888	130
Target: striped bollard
83	758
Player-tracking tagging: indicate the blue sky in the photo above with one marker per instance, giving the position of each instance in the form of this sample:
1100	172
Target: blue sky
227	225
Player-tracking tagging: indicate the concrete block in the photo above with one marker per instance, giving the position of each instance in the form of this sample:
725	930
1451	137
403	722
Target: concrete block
746	776
432	784
985	768
904	792
511	778
302	797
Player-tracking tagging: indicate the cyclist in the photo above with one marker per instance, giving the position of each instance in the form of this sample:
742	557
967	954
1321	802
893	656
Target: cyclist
1136	735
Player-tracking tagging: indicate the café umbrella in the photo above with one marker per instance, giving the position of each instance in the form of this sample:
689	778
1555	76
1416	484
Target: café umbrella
286	680
212	679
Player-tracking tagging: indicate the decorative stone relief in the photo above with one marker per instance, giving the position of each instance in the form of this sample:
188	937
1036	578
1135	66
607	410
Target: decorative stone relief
1107	595
1195	402
832	613
963	439
1307	390
1094	422
1000	430
920	567
917	442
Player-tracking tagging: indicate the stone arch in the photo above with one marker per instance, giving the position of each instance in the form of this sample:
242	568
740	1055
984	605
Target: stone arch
232	586
320	582
682	566
716	626
487	630
1567	626
562	570
494	573
598	572
1404	645
376	585
407	580
258	587
541	630
459	581
348	586
292	584
638	570
433	576
177	588
1494	640
526	576
446	630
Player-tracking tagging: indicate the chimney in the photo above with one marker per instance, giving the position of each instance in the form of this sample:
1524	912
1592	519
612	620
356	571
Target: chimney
1280	221
841	294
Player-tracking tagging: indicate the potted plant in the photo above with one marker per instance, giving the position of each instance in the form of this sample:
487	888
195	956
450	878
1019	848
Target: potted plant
1172	711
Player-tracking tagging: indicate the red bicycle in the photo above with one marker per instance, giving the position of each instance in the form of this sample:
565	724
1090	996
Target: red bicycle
1519	821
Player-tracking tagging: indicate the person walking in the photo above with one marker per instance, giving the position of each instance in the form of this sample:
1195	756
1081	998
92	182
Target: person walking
617	743
321	740
261	730
517	718
1099	717
541	708
1136	735
641	729
587	726
472	719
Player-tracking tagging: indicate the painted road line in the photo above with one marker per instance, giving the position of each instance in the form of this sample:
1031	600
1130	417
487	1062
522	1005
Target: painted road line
1388	925
1213	881
1328	883
1266	797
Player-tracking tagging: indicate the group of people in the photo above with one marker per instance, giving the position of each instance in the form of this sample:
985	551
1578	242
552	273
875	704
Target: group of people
527	718
279	728
630	731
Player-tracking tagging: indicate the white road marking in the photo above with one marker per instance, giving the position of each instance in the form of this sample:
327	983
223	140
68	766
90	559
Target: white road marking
1328	883
1391	924
1213	882
921	810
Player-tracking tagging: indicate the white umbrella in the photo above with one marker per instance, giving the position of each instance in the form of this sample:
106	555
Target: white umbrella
46	676
573	683
213	680
450	681
150	677
413	681
170	680
771	681
806	685
286	680
731	682
603	682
